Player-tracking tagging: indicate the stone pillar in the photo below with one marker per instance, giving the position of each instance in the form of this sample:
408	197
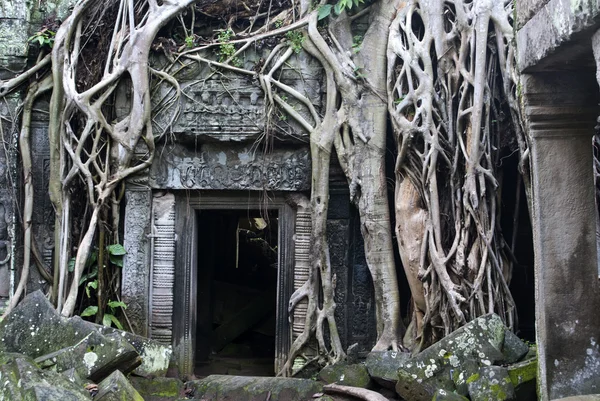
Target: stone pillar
561	110
136	263
14	25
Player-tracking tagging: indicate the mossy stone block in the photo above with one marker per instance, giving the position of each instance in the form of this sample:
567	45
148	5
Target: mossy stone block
491	383
116	387
158	389
443	395
355	375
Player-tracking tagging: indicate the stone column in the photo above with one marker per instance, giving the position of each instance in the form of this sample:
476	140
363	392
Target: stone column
561	110
136	263
14	25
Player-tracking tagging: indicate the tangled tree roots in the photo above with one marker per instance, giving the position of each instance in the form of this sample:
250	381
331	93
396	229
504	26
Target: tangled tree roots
452	97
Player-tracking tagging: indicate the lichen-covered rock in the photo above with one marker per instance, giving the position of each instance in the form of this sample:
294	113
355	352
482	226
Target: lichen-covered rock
491	383
95	357
355	375
423	383
383	366
446	364
116	387
513	348
443	395
22	379
246	388
158	389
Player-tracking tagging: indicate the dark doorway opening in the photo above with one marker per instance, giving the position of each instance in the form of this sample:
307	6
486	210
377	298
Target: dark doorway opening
236	292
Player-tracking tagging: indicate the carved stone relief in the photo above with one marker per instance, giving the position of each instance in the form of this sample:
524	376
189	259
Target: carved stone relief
136	262
302	247
231	167
225	106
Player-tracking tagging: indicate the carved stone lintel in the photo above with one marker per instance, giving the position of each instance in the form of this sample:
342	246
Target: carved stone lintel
232	167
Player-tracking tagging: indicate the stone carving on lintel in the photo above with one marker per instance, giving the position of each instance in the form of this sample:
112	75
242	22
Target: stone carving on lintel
231	167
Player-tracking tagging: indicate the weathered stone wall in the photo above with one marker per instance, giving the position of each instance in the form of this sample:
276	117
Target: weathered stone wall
555	34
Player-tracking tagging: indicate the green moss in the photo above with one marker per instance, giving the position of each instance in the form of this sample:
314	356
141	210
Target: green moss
473	378
497	391
522	372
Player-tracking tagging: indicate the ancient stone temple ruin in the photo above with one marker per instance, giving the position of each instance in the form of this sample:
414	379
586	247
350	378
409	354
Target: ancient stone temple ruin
195	230
217	230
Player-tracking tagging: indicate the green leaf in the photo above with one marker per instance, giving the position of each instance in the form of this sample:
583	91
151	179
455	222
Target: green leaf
89	276
108	319
117	304
71	265
91	284
116	249
116	260
339	7
324	11
92	259
89	311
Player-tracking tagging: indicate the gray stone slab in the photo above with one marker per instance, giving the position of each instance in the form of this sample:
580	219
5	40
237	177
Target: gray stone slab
554	25
221	388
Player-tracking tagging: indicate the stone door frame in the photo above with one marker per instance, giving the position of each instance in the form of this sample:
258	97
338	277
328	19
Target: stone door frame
186	266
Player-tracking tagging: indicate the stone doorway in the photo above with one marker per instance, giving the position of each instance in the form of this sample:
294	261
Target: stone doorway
207	251
236	292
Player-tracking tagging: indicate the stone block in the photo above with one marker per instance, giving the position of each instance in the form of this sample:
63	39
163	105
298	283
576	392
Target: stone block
95	357
221	388
23	380
523	376
383	366
355	375
116	387
34	328
158	389
513	348
448	363
443	395
491	383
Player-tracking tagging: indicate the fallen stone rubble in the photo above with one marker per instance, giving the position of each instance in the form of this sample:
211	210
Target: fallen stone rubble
44	357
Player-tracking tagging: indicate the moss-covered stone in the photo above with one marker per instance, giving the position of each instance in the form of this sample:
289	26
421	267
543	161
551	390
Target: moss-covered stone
443	395
491	383
158	389
355	375
35	328
22	379
95	357
116	387
383	366
245	388
421	384
523	376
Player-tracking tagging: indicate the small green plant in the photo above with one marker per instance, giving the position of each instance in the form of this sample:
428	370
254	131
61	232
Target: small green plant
226	48
109	318
341	5
356	43
358	74
296	39
189	41
45	37
399	100
278	23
